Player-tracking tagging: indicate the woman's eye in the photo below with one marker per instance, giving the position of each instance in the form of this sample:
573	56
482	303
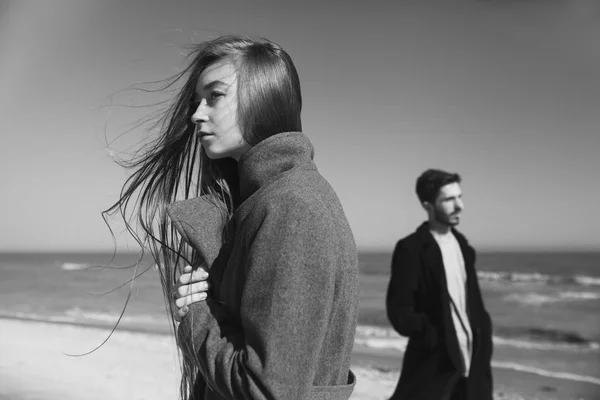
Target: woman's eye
215	95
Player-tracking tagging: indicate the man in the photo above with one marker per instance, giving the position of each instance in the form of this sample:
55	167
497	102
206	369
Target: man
434	299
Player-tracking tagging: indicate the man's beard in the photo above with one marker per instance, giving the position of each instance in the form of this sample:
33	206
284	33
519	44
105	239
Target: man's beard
443	219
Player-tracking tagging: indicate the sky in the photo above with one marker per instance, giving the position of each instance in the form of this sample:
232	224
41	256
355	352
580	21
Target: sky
505	92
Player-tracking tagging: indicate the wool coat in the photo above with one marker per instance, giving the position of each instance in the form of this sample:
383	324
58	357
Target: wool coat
280	318
418	306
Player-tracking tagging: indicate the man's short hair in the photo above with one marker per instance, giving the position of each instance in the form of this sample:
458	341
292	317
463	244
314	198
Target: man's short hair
431	181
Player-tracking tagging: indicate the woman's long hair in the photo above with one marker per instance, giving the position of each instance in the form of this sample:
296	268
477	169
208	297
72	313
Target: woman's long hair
175	166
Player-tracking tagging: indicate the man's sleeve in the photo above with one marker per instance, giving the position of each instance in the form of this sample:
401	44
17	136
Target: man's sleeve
401	297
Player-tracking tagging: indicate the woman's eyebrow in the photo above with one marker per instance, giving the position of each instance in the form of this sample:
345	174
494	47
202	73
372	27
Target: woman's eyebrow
209	86
212	84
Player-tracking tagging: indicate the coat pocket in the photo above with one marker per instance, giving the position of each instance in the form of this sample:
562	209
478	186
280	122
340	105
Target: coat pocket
337	392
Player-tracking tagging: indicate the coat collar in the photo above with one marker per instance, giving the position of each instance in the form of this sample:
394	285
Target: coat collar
264	162
200	222
433	254
425	236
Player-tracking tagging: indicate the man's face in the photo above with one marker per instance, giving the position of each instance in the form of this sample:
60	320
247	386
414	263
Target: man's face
448	205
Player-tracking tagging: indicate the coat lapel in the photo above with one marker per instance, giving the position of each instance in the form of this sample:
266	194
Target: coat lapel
432	259
200	222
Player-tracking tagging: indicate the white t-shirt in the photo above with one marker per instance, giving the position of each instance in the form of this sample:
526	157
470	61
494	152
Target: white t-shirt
456	278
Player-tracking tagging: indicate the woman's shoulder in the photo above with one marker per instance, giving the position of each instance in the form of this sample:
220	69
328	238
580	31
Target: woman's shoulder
295	194
293	198
307	188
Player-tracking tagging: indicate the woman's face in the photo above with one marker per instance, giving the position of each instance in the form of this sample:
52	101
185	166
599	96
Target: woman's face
216	112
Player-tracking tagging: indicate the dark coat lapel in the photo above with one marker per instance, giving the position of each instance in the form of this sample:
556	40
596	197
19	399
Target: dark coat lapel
432	259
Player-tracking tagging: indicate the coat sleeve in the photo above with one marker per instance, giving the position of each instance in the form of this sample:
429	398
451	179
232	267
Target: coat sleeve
401	297
285	308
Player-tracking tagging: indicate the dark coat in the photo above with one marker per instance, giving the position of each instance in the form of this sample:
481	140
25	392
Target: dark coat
418	307
280	319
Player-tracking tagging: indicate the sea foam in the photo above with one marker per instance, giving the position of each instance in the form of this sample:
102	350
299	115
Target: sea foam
537	278
71	266
387	338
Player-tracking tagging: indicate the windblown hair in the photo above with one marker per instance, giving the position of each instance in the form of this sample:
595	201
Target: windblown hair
431	181
175	166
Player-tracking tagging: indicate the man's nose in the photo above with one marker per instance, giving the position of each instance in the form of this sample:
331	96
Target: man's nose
459	204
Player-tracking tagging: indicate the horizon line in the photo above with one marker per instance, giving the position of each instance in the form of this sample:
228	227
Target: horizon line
381	250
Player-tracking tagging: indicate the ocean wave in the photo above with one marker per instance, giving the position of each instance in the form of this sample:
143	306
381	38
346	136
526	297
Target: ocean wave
579	295
392	375
37	317
71	266
541	298
387	338
587	280
542	372
541	345
79	316
375	337
537	278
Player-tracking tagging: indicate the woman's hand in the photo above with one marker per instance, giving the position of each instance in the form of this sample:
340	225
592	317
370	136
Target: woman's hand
191	288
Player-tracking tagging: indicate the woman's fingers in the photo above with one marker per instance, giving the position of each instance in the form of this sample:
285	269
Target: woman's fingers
191	289
182	312
186	290
184	302
195	276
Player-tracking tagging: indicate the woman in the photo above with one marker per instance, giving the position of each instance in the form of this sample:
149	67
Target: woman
230	187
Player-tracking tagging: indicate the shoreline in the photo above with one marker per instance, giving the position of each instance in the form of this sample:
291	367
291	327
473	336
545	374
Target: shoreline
379	333
147	367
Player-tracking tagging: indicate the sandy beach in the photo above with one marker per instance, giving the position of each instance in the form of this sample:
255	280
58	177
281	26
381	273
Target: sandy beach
34	365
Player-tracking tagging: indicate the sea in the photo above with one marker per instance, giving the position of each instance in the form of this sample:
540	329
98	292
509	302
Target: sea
544	306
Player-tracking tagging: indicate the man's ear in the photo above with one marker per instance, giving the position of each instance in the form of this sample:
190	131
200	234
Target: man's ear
427	206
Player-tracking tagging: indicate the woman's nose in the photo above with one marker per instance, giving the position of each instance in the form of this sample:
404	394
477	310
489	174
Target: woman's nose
200	114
